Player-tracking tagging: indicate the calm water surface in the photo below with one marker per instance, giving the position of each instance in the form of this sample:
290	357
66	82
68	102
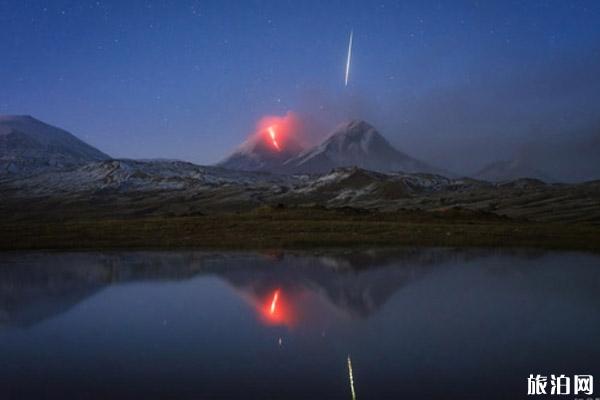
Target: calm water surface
415	323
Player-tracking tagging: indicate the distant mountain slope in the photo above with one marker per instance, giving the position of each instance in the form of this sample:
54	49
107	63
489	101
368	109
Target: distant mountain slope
504	171
28	145
125	188
128	176
356	144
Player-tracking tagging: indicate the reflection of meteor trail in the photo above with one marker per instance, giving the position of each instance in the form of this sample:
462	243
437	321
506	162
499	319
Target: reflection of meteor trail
274	302
351	378
348	59
273	137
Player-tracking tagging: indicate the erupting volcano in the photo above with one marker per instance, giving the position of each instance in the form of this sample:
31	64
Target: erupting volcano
274	147
275	140
273	136
274	302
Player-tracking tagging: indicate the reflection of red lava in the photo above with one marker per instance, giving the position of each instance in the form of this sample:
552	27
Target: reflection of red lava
274	302
275	310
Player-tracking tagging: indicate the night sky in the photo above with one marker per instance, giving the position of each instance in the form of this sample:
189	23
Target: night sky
456	83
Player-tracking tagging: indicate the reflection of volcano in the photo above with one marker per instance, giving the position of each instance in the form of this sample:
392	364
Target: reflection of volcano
38	286
355	292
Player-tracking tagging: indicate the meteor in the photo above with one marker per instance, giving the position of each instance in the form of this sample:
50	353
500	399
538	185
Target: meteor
351	376
348	58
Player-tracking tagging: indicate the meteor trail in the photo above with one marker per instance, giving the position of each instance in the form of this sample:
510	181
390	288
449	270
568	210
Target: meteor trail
351	375
348	59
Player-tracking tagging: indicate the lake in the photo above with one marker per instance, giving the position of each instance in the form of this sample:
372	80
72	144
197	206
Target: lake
419	323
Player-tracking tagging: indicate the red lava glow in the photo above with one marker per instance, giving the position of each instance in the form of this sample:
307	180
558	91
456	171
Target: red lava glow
273	137
280	133
275	311
274	302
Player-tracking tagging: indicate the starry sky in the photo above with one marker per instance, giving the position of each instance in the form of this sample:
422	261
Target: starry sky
457	83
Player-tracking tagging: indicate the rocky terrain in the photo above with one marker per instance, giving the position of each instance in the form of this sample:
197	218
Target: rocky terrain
80	200
175	188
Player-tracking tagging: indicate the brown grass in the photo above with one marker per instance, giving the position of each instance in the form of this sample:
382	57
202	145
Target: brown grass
298	228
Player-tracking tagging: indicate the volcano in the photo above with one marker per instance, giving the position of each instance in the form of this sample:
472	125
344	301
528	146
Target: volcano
505	171
356	144
267	150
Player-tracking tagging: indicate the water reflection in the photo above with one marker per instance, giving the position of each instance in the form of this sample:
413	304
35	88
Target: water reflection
36	286
295	325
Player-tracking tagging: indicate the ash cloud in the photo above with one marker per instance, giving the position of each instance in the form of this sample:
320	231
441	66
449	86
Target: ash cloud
546	114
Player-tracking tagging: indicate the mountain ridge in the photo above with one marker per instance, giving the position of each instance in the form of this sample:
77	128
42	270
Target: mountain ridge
352	144
505	171
356	144
28	145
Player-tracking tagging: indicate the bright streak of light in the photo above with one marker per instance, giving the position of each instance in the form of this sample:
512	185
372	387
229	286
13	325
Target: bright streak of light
348	59
273	137
274	302
351	378
276	309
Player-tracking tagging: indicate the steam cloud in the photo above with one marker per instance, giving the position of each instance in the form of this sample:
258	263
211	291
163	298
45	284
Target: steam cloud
547	115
